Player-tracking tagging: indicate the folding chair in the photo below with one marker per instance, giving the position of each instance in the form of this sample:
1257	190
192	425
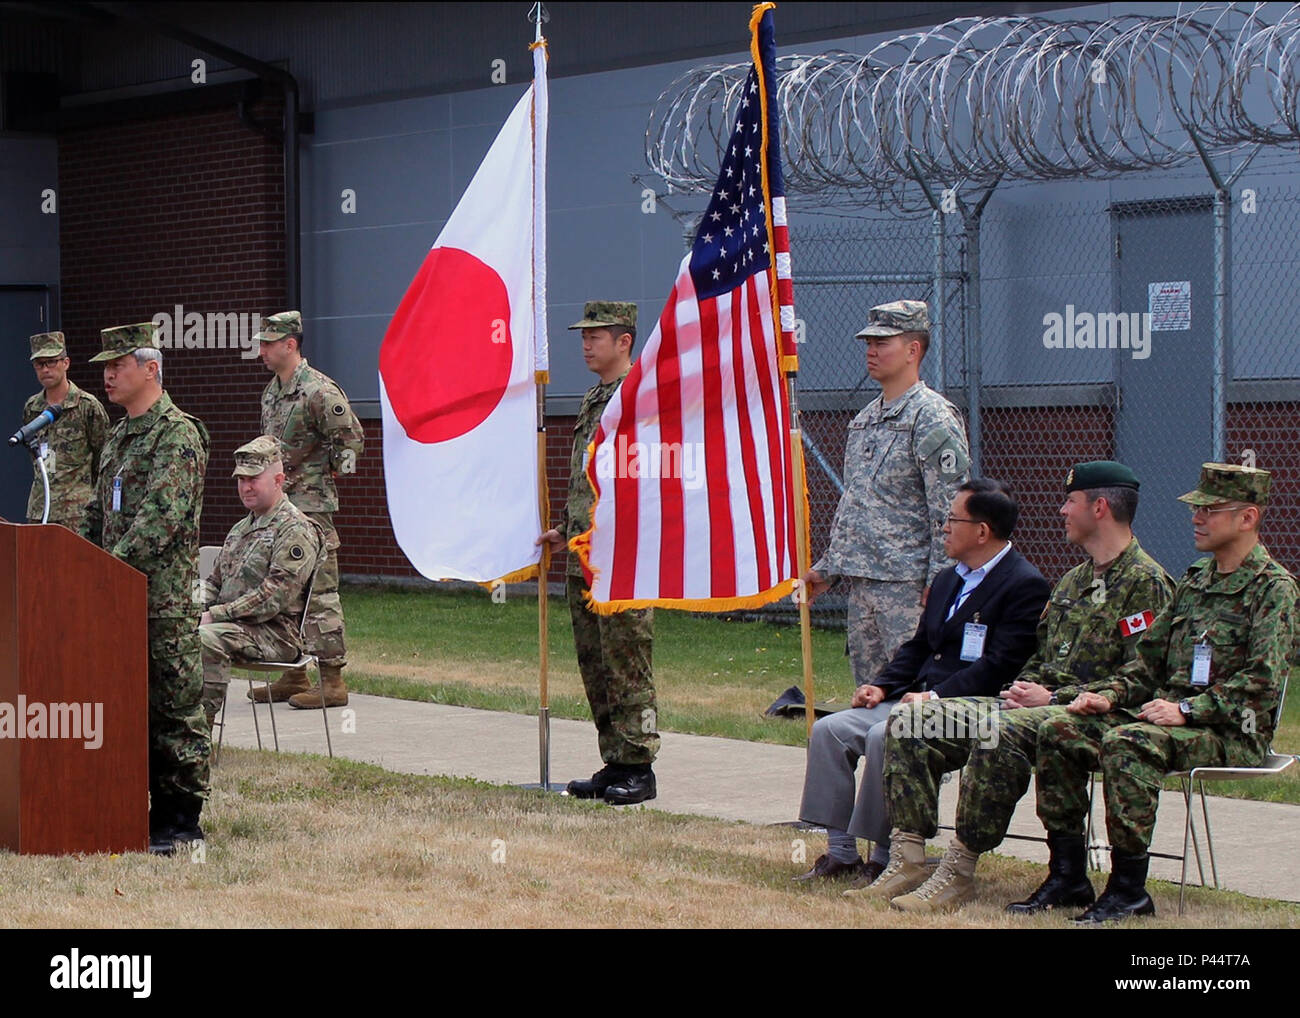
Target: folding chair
306	661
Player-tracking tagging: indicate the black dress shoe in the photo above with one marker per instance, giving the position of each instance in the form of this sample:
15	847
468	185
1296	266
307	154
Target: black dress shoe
594	787
634	786
826	868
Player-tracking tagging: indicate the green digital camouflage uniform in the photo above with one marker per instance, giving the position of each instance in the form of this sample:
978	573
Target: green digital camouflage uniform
903	464
71	445
320	436
159	459
1247	619
614	651
256	591
1081	643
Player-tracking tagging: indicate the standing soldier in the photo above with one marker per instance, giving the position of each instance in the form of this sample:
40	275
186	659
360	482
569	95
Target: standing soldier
255	594
905	460
319	437
145	511
614	651
1200	693
71	445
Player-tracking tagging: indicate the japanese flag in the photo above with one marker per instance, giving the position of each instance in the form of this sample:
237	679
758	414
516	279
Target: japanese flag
458	369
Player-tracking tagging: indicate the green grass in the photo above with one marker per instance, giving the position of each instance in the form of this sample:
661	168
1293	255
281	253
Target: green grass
712	676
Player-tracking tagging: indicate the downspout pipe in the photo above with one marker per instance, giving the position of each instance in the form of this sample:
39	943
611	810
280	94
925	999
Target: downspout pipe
288	84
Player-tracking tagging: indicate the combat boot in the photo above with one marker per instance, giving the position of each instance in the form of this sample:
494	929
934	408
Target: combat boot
906	870
285	686
335	692
594	787
1126	892
1067	877
951	886
183	829
162	823
637	784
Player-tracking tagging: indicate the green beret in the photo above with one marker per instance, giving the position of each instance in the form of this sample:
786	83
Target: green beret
1099	474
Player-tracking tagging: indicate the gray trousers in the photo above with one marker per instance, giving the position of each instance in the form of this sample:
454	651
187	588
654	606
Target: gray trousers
830	797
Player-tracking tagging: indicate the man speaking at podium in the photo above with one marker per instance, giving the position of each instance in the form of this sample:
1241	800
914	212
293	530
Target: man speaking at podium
145	511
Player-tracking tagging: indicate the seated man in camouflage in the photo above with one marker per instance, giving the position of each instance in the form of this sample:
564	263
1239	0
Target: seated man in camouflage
1088	630
256	593
1200	693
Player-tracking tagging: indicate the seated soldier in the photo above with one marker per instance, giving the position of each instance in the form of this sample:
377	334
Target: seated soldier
1201	691
255	595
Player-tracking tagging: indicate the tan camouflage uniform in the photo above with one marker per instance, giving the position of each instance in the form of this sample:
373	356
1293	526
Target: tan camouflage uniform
156	463
903	464
1247	619
71	445
257	589
320	436
614	651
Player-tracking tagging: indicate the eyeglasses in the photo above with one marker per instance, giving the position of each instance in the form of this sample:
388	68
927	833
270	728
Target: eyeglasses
1217	509
962	519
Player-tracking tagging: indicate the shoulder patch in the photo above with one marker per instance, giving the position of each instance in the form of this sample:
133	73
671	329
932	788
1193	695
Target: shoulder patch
296	552
338	409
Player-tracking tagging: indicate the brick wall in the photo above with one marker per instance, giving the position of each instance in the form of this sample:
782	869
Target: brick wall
179	209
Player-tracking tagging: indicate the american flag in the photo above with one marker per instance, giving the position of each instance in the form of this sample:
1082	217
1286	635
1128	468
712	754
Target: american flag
691	462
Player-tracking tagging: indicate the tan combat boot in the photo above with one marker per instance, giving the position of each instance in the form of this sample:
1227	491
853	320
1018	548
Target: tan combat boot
336	693
952	885
282	688
906	870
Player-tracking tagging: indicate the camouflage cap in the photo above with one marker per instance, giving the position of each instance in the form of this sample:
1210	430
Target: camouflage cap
1229	482
120	340
1100	474
254	457
897	317
599	314
48	344
280	325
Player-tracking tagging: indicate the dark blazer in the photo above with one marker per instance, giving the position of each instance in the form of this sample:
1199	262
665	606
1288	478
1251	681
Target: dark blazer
1009	600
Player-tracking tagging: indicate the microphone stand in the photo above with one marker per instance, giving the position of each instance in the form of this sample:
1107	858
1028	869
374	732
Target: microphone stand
34	446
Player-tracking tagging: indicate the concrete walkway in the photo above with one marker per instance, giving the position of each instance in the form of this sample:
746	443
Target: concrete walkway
1255	843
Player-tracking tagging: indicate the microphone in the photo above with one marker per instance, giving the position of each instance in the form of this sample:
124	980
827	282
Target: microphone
46	417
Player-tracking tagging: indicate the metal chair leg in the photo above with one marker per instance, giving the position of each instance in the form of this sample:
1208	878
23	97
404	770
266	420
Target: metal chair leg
270	709
324	713
257	729
1209	838
1187	831
216	753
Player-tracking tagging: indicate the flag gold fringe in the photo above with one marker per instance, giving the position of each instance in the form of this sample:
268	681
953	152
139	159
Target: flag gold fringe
703	604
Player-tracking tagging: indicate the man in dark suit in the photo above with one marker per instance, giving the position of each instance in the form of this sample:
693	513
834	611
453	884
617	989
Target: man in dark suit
977	631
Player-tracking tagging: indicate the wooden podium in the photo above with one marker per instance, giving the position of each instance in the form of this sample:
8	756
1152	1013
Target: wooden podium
74	696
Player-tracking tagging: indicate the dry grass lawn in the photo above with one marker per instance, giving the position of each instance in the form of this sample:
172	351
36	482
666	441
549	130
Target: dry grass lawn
303	841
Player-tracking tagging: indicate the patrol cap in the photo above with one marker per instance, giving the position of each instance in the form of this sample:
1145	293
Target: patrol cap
1100	474
602	314
280	325
1229	482
897	317
48	344
254	457
120	340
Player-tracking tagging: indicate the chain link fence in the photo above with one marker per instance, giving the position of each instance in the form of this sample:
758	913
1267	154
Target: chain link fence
1101	330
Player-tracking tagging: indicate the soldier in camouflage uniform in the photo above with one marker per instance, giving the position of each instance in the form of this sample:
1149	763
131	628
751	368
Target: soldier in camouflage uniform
1201	692
614	651
145	511
257	590
1089	628
905	459
320	437
71	444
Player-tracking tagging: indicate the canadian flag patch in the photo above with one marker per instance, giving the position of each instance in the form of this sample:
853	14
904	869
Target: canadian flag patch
1136	623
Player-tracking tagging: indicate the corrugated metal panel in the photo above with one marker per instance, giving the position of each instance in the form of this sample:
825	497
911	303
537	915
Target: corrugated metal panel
343	53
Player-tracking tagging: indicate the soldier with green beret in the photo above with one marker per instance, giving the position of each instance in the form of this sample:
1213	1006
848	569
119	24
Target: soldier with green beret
320	438
255	595
1089	628
614	651
71	445
1201	691
145	510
